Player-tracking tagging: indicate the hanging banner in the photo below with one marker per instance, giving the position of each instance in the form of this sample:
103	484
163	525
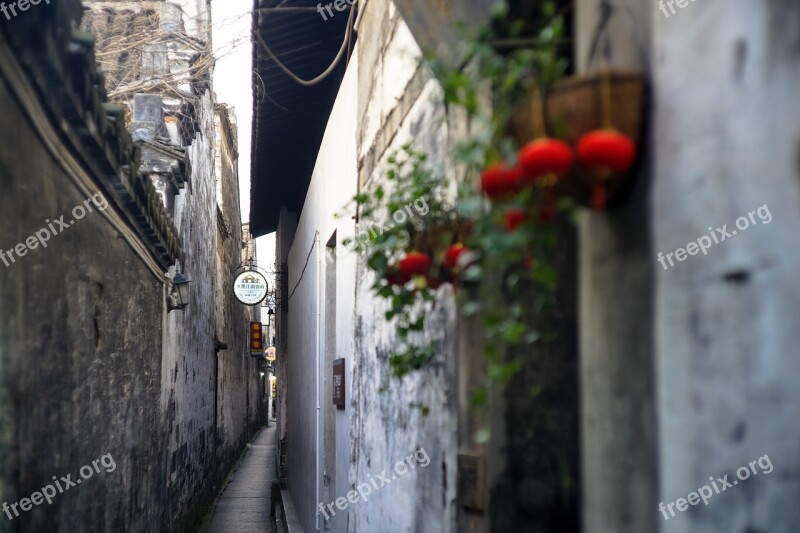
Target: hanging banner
250	287
256	340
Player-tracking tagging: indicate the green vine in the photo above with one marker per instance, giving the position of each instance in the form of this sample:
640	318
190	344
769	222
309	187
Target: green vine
502	275
418	194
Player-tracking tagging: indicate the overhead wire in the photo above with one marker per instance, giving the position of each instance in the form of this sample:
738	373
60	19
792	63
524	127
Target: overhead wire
300	279
327	72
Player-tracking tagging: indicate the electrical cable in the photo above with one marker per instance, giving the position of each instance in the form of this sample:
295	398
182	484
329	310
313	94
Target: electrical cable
313	244
327	71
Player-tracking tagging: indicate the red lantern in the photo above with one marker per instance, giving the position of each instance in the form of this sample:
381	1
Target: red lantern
452	254
607	151
544	160
500	180
415	264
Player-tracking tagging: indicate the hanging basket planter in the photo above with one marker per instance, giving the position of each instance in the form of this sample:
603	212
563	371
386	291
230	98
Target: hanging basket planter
432	254
612	101
574	105
604	100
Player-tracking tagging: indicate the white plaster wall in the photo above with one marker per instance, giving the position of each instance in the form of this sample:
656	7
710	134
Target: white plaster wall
618	413
393	68
387	428
377	429
332	185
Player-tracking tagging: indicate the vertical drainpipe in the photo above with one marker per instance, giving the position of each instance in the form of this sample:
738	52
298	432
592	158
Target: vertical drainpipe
319	351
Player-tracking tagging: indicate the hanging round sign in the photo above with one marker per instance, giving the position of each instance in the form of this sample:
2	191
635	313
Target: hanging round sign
250	287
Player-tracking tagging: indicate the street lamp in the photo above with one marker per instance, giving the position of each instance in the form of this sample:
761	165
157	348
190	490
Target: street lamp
179	293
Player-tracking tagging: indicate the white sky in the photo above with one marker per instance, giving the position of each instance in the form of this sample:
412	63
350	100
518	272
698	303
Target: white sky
232	22
232	82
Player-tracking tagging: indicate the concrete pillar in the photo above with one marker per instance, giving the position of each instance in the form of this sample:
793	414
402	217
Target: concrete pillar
616	339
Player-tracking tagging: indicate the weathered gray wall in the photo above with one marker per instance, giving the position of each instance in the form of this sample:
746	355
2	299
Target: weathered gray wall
387	426
188	358
397	103
79	385
710	386
80	340
194	374
239	385
726	141
91	362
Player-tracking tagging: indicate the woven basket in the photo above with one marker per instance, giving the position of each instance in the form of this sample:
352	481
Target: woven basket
573	107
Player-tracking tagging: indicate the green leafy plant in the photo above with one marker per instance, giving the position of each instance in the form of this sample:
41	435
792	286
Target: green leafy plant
492	244
410	183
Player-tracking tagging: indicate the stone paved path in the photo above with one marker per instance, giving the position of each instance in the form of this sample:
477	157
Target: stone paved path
243	507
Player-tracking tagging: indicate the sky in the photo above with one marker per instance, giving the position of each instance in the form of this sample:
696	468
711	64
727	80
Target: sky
231	21
232	82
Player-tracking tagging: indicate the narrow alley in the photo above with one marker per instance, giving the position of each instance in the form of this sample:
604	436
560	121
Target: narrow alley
246	500
399	266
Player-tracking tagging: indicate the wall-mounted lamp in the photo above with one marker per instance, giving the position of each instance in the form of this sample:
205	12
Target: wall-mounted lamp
270	317
178	297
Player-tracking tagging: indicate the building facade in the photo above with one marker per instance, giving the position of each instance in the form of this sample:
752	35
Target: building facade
658	379
168	398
